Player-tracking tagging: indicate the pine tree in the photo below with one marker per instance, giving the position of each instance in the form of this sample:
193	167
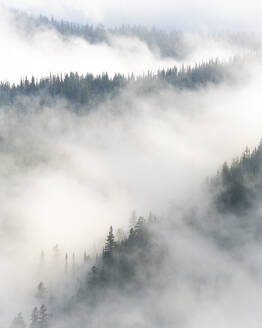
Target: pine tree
140	225
43	317
34	318
110	244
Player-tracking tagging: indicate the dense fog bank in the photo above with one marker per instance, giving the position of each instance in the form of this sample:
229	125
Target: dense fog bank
38	48
117	206
67	177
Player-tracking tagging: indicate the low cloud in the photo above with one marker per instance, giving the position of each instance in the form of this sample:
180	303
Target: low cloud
186	15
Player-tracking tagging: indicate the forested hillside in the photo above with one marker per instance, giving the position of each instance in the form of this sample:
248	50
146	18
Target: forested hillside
89	90
239	184
170	44
127	266
101	118
137	262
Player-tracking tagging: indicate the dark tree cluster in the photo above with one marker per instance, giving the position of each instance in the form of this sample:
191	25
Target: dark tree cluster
130	263
238	185
122	262
89	90
39	319
77	89
126	264
168	43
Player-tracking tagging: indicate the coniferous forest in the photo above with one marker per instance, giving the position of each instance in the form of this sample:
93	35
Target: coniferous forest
130	168
89	90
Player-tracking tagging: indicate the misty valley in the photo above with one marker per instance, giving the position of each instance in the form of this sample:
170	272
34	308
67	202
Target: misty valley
130	174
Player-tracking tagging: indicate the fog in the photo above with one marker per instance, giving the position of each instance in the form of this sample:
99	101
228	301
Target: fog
45	51
65	177
186	15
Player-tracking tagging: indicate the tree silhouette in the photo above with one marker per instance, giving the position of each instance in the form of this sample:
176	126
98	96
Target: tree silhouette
34	318
43	317
109	246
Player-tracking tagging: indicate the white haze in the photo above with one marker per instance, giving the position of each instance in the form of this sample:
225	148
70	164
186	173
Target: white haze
174	14
65	179
45	52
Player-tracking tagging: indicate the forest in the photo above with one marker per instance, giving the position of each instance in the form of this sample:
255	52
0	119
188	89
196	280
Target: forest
131	261
128	199
89	90
168	43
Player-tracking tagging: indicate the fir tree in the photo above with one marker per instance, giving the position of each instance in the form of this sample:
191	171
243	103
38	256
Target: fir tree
140	225
109	246
34	318
43	317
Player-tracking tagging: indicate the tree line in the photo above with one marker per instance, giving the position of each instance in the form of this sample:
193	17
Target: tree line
88	90
170	44
237	185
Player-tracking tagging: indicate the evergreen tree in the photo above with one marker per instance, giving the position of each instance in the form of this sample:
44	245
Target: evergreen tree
85	91
110	244
140	225
43	317
34	318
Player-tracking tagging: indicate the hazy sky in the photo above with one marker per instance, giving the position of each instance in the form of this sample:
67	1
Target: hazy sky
187	14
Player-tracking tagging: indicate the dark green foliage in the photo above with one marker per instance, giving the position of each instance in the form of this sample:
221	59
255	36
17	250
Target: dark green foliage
237	186
88	90
109	246
77	90
125	264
